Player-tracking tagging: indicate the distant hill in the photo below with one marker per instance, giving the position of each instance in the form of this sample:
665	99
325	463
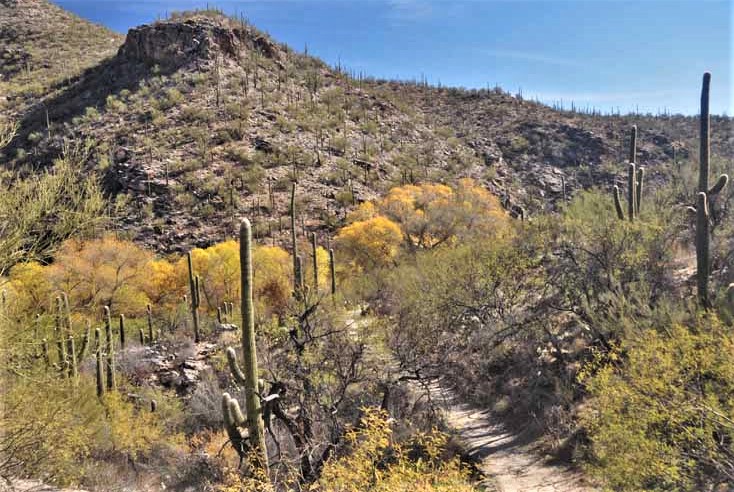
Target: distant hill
201	118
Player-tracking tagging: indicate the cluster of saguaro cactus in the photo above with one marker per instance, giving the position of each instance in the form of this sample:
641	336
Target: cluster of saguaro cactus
248	376
635	179
194	298
69	356
703	199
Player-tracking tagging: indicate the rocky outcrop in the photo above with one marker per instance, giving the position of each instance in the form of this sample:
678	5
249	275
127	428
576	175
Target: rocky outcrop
173	44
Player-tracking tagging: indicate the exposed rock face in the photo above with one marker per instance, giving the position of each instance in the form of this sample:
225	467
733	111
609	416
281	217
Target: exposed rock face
174	44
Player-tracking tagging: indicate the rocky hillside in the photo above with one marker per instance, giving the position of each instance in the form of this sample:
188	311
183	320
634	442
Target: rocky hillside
531	146
200	118
42	48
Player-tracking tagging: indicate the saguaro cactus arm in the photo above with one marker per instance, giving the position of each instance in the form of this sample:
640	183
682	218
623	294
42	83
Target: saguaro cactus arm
237	373
618	203
638	197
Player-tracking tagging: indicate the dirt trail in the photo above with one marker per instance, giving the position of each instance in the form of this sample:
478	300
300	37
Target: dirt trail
510	464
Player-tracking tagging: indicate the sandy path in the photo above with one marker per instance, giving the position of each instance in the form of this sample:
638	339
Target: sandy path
511	464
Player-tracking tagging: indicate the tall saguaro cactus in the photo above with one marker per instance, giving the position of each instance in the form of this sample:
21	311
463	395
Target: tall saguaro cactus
194	288
247	376
703	201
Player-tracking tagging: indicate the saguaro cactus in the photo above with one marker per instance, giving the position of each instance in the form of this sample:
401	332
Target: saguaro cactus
248	376
109	350
122	332
332	270
705	194
194	288
99	373
635	177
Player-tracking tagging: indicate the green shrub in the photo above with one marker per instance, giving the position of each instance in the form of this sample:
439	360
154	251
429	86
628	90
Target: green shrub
661	413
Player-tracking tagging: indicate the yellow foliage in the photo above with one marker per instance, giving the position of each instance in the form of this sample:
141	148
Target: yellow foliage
365	211
375	463
661	419
372	242
103	271
56	430
322	258
271	269
426	215
133	432
30	286
161	284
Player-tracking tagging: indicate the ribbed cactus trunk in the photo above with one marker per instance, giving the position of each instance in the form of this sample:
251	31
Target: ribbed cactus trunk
633	145
631	191
109	350
100	374
332	270
638	197
122	332
194	288
249	350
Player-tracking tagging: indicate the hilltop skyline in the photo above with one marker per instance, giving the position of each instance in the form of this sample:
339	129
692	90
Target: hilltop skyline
609	55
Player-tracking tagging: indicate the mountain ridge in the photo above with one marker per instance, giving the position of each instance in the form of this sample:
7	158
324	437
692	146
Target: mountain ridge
200	118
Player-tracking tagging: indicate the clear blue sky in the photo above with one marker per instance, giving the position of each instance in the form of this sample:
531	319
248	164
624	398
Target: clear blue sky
608	54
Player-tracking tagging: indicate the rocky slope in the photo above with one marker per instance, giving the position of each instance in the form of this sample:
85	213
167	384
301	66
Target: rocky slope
199	119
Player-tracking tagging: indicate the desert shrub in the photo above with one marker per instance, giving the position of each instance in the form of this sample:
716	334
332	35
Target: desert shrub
57	430
40	212
661	409
374	462
101	272
371	242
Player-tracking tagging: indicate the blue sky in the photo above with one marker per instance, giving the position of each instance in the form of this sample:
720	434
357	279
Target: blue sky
609	54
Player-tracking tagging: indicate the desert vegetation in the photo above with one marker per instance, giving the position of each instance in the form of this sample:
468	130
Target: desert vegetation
240	269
